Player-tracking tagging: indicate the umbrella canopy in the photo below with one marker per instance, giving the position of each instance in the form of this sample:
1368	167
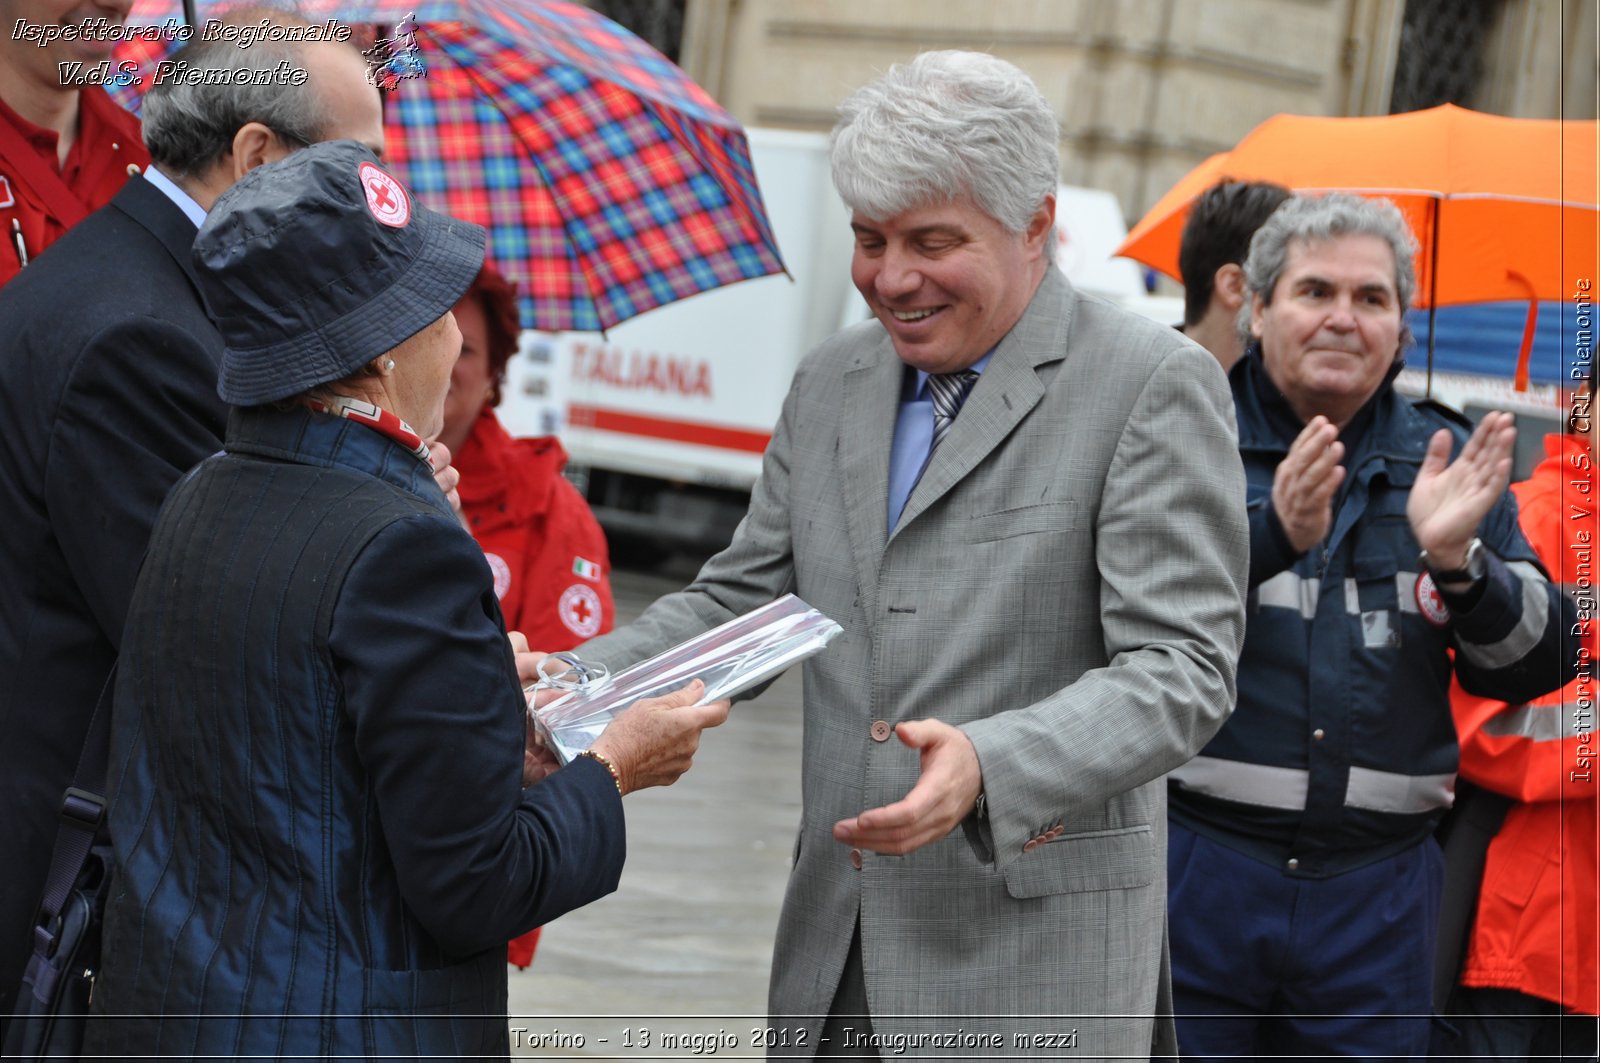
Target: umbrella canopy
1504	208
609	182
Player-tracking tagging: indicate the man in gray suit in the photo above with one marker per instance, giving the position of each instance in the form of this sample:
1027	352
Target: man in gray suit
1042	602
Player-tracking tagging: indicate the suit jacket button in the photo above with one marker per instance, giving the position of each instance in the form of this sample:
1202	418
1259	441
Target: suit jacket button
855	859
1030	845
1054	832
880	731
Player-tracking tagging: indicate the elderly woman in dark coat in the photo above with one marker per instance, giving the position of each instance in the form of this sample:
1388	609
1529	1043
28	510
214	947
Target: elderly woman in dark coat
323	825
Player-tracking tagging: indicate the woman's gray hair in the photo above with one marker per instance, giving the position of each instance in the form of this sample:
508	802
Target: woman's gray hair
190	121
1316	219
946	125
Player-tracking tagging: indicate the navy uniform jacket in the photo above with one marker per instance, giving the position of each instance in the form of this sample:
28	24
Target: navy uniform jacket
321	840
1342	750
108	394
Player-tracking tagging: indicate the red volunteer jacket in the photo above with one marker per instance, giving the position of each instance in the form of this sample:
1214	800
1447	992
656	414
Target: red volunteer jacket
107	144
1535	930
547	552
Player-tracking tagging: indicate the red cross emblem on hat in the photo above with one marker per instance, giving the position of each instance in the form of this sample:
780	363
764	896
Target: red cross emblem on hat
386	200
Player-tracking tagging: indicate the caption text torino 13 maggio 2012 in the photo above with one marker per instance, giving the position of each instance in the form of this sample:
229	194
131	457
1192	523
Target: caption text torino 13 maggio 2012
655	1043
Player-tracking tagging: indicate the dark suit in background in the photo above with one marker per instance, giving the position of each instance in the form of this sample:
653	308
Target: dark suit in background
108	369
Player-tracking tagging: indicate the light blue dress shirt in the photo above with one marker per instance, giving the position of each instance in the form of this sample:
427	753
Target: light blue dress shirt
184	201
913	434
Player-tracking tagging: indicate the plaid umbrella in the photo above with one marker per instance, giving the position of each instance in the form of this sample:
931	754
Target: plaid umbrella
609	182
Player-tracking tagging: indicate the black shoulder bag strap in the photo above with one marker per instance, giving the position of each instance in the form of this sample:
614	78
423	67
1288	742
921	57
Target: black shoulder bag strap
83	811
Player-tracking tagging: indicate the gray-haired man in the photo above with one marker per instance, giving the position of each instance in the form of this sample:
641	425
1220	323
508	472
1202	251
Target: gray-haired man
1023	506
1304	881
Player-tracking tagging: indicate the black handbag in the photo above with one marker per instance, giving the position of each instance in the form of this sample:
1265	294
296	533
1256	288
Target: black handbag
52	1006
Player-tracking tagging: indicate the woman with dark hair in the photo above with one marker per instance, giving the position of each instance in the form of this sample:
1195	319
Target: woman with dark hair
325	814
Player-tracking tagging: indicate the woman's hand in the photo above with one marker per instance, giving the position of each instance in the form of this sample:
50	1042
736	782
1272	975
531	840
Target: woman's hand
537	759
445	474
653	741
528	661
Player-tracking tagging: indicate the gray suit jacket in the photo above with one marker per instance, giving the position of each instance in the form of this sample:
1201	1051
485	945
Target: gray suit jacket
1066	585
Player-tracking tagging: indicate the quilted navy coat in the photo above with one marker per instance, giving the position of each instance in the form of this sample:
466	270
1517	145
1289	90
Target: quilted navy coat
321	839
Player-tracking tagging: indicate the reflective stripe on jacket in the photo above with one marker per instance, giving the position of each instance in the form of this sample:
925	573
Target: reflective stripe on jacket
1341	750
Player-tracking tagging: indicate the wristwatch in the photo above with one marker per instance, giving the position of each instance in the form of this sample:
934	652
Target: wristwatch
1476	568
981	809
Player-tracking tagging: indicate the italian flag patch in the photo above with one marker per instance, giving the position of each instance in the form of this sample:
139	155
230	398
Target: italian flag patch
587	569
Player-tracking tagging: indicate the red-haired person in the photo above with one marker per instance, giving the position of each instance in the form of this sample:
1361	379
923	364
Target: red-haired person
547	552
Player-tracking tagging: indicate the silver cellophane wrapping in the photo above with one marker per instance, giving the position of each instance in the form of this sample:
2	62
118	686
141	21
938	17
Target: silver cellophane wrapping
729	659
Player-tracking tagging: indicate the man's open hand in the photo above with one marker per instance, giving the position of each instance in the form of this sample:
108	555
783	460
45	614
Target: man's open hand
1451	498
944	795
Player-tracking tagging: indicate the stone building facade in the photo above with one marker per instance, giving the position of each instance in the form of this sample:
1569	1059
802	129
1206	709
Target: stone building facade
1145	89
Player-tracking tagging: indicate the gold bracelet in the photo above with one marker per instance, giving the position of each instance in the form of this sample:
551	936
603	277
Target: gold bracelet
616	777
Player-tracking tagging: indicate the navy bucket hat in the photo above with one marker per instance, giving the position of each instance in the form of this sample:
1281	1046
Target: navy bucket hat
314	265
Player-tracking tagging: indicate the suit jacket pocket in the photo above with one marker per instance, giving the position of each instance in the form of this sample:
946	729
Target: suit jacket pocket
1117	859
1022	520
448	1011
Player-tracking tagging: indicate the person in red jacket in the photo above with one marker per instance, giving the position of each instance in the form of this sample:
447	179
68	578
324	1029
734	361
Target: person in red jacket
547	552
1528	983
65	148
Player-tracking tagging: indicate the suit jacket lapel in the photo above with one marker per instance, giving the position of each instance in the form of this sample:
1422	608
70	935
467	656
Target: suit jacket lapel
866	432
1007	390
149	206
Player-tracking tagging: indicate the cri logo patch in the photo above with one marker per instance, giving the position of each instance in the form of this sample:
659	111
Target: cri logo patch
386	200
580	610
1430	603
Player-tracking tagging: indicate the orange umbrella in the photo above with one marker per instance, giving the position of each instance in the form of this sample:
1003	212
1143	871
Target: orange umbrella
1504	208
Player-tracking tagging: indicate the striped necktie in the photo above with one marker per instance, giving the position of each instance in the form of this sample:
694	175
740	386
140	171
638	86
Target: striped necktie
948	391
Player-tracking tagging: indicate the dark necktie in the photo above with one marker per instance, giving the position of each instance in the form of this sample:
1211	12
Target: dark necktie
948	391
